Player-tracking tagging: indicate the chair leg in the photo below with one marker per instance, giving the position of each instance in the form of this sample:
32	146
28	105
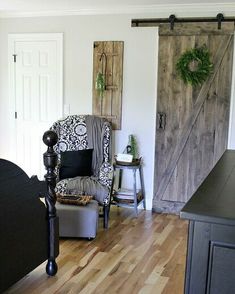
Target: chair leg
106	209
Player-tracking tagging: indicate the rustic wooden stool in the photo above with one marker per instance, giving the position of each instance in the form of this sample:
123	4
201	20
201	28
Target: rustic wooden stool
134	166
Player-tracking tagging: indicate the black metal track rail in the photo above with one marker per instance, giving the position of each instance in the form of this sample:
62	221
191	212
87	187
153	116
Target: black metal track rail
172	19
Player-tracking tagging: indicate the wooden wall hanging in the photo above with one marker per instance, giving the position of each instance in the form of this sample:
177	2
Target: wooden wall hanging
108	61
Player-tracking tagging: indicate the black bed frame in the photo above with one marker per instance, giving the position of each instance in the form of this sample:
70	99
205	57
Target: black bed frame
28	228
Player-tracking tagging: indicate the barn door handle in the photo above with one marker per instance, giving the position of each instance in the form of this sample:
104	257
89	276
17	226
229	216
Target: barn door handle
161	120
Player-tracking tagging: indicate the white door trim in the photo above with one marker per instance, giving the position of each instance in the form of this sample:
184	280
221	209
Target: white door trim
12	39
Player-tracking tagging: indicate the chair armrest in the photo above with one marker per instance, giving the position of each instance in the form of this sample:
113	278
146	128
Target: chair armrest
106	174
61	186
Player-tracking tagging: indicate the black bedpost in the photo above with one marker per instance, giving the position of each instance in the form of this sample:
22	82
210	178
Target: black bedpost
50	161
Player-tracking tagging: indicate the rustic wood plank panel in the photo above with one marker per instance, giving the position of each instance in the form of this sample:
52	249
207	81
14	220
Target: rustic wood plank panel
223	93
207	151
187	128
97	65
117	76
190	165
110	105
185	167
194	29
107	99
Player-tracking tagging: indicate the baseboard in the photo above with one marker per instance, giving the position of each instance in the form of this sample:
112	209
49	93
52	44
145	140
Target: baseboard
167	206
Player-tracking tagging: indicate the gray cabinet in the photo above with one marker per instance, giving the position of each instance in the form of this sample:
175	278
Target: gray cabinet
210	264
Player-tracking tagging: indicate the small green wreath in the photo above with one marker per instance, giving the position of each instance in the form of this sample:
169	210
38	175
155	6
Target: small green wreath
194	66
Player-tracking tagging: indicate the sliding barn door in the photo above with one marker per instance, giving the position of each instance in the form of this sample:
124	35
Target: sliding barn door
192	122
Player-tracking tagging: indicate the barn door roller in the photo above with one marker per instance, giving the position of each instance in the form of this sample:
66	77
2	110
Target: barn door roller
172	19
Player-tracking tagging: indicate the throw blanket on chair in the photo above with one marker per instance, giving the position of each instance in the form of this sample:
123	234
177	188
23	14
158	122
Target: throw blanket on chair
91	186
96	140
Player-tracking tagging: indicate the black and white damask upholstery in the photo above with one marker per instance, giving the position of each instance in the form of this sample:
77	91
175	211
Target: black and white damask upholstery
74	133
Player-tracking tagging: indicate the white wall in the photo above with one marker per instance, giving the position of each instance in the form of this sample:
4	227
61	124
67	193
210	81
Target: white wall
140	74
139	84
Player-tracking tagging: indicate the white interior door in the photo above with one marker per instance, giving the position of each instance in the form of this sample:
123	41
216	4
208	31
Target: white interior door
36	75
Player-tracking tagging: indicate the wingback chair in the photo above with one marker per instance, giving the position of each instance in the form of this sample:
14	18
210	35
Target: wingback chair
82	132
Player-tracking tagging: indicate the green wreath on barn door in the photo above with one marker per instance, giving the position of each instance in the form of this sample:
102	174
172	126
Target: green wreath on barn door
194	66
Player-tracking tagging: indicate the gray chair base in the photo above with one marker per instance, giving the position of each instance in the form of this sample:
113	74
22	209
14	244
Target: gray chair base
78	221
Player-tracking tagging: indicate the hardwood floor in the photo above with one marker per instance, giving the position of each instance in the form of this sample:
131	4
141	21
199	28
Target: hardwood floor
135	255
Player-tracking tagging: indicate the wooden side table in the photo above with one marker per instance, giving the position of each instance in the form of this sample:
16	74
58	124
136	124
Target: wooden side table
133	167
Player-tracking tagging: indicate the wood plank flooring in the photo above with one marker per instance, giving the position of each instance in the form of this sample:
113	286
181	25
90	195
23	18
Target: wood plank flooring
135	255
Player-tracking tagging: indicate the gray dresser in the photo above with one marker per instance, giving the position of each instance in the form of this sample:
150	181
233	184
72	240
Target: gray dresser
210	265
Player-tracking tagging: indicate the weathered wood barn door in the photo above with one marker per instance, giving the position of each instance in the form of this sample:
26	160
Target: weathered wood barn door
192	122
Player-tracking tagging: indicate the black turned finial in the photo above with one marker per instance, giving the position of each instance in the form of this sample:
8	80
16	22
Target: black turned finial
51	267
50	138
50	161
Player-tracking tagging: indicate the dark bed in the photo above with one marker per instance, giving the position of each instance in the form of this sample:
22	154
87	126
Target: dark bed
28	227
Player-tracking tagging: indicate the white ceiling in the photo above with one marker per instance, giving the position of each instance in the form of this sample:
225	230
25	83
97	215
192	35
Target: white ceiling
34	5
158	8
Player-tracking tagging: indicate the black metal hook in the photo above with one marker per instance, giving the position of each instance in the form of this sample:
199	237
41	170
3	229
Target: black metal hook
104	64
103	55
